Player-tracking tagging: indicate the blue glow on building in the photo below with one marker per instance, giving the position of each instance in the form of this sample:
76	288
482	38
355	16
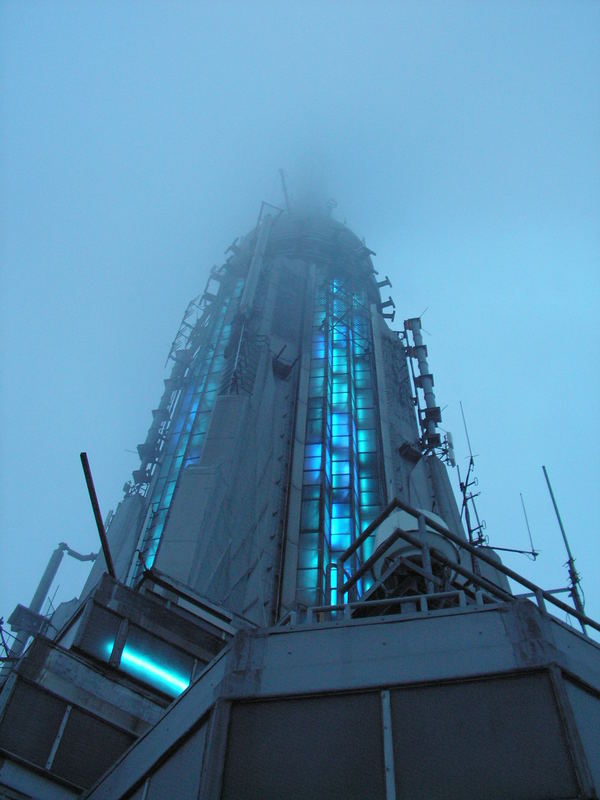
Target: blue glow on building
342	487
140	666
189	423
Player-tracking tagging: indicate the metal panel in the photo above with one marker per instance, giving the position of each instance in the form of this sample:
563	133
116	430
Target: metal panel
586	709
495	738
287	311
179	776
31	723
79	759
319	747
180	717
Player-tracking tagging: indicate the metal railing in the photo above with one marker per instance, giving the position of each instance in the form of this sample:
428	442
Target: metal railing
419	542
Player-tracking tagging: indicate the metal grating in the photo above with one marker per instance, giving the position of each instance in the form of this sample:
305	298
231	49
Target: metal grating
31	723
78	758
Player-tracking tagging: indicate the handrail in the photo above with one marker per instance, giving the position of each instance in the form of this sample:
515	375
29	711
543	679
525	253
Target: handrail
342	587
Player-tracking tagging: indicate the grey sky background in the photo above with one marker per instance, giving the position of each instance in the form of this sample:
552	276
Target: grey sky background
461	139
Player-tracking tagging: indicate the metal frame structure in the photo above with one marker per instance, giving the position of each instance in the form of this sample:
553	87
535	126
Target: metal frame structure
346	582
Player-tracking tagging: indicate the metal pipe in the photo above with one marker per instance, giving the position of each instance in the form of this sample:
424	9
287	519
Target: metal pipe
97	515
571	561
425	554
37	601
285	193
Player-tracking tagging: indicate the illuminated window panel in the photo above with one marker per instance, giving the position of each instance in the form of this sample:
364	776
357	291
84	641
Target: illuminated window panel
152	546
340	431
340	396
313	430
367	445
313	477
340	454
368	514
340	510
368	464
309	517
312	463
367	551
170	488
311	492
369	498
340	419
341	525
339	480
195	449
340	495
369	484
315	387
313	450
308	559
308	578
340	542
316	411
345	406
340	467
364	398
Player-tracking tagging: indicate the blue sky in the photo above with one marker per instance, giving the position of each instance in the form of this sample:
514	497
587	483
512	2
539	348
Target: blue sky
461	139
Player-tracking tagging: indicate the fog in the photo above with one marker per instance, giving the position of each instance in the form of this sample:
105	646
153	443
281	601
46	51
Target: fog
138	139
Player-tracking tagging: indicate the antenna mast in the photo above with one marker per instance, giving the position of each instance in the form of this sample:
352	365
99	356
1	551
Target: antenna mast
476	536
285	194
573	575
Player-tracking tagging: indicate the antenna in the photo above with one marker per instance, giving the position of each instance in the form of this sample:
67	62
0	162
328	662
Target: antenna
462	413
573	575
475	532
533	551
284	187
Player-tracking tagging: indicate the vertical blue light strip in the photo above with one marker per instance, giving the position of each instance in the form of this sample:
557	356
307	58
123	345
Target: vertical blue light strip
187	431
342	488
141	666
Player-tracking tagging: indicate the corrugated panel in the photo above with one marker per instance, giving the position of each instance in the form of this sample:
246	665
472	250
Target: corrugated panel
492	739
79	759
323	747
31	723
586	707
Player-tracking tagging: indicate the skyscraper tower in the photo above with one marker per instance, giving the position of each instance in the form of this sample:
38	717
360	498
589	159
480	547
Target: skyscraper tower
291	565
286	426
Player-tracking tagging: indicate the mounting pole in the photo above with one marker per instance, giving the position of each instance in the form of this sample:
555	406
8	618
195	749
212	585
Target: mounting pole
573	576
97	515
285	194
